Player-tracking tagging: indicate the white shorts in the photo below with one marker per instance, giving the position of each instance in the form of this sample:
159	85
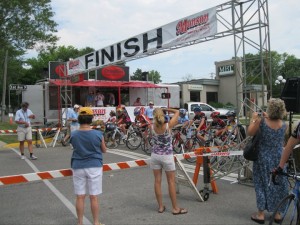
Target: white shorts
162	161
88	181
24	133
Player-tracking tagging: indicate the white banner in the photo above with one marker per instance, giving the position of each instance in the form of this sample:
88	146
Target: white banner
191	28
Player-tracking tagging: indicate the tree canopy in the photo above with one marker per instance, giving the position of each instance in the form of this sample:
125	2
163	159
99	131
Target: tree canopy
152	75
27	24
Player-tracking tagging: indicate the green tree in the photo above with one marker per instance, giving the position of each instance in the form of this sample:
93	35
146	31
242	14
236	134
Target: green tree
39	66
281	64
27	24
152	75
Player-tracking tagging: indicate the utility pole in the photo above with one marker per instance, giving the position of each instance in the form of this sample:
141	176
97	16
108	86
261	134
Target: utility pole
4	87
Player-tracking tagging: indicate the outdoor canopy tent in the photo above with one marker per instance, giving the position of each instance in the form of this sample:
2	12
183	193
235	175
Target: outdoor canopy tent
117	84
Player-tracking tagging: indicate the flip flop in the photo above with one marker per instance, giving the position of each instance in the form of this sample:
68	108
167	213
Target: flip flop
255	219
161	211
181	211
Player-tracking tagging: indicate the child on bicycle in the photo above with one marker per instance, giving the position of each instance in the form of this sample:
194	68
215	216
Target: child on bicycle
141	120
216	123
200	119
112	117
183	120
123	120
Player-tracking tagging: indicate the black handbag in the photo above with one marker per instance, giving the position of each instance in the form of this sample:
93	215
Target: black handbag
251	149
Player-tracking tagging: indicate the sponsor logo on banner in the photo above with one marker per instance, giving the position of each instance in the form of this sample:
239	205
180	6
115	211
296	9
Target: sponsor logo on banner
99	111
185	25
113	72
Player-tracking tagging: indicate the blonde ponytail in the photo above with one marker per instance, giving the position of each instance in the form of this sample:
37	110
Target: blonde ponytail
159	117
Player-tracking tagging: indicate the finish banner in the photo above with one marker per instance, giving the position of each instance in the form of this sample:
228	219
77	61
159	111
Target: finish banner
183	31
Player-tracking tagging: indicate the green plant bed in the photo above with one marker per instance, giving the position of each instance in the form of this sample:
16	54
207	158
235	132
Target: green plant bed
11	138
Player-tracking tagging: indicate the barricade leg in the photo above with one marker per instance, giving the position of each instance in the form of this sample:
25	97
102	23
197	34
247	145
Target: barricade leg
207	173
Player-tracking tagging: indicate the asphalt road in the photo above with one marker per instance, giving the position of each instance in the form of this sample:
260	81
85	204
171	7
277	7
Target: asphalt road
128	195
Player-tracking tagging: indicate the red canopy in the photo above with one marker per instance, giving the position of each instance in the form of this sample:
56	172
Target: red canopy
98	83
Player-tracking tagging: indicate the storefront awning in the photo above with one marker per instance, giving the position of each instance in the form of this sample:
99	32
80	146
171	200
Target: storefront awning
98	83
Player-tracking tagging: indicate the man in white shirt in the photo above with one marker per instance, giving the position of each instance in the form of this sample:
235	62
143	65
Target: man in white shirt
24	131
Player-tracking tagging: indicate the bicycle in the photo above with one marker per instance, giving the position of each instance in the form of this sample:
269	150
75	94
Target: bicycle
193	142
134	137
290	205
113	136
177	141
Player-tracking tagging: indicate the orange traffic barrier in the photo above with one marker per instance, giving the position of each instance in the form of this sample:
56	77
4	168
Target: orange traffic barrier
199	152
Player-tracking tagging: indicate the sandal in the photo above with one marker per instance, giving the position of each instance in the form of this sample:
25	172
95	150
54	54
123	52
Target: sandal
161	211
255	219
181	211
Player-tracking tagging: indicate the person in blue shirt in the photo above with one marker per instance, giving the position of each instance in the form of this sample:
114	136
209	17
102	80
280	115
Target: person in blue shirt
183	118
72	122
87	164
149	111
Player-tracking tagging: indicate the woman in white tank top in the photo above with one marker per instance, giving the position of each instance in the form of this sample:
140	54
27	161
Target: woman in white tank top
162	158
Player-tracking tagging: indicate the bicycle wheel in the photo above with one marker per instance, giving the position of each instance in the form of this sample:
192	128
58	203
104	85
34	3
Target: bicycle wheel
189	146
109	141
133	140
176	143
146	145
289	207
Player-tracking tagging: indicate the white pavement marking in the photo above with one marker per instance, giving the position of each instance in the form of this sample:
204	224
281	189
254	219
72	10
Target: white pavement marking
58	194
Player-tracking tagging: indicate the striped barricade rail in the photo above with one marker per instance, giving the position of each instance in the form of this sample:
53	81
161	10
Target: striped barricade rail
47	175
33	130
29	177
43	129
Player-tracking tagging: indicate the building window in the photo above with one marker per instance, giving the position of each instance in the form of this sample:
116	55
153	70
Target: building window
211	97
195	96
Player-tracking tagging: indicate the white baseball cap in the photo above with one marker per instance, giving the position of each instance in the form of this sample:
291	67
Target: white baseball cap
76	106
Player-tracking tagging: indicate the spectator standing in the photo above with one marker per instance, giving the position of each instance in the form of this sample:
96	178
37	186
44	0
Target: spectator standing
24	130
270	147
111	99
90	99
87	164
99	99
137	102
162	158
72	122
149	111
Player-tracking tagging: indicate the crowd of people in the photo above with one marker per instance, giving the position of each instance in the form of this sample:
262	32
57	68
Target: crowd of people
88	147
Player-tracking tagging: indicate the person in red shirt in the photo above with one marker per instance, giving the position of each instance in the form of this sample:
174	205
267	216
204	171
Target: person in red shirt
123	120
216	123
141	120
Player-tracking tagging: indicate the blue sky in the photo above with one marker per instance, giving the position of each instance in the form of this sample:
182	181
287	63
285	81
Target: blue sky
99	23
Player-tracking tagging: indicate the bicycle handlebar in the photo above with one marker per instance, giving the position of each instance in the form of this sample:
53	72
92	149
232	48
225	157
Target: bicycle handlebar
274	173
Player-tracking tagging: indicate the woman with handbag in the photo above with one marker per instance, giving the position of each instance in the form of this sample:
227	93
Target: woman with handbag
270	147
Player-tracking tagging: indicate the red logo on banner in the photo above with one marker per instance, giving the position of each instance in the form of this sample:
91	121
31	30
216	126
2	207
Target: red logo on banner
113	72
99	111
60	70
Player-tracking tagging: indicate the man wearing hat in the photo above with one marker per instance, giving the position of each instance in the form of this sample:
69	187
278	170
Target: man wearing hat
23	117
149	111
72	122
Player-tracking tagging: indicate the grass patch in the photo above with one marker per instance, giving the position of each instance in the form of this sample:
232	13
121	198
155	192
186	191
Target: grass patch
8	138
